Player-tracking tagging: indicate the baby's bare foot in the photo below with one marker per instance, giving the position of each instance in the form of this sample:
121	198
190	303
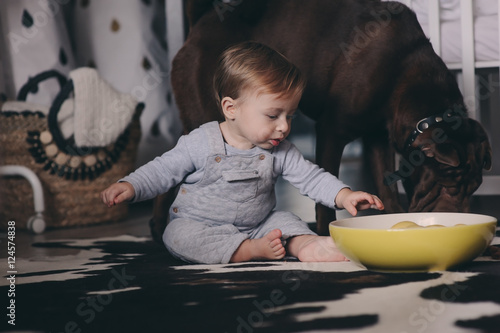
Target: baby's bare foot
312	248
268	247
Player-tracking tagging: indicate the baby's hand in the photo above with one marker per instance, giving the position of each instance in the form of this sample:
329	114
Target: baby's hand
353	201
117	193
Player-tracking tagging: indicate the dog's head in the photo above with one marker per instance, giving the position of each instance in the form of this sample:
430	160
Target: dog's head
448	161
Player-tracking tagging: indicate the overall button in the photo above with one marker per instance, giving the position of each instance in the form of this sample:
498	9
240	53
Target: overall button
175	210
262	156
217	159
183	191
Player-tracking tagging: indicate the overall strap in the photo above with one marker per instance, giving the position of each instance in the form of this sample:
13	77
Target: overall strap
215	138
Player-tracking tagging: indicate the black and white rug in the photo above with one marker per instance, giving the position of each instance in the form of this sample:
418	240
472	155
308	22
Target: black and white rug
131	284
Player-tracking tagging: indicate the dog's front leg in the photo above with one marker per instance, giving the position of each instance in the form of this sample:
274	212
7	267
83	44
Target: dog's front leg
329	148
379	157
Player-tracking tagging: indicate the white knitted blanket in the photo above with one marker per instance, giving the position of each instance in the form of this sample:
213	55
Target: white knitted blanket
101	113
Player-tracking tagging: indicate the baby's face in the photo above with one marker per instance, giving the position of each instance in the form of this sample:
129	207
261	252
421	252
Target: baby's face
264	120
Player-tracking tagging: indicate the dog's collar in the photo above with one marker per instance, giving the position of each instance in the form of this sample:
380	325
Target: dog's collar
427	122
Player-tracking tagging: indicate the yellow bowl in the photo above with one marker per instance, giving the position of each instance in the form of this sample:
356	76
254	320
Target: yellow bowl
369	241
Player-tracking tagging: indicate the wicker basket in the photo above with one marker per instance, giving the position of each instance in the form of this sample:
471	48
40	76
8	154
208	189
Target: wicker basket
72	179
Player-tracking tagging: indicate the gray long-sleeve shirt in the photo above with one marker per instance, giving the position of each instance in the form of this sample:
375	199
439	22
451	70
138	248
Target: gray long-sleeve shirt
186	163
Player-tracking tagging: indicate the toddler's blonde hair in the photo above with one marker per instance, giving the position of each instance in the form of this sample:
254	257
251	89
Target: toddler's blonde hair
257	66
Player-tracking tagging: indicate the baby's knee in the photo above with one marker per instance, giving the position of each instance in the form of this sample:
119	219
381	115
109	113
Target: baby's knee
175	234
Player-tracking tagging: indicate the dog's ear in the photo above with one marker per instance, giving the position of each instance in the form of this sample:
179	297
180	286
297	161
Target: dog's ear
486	153
483	147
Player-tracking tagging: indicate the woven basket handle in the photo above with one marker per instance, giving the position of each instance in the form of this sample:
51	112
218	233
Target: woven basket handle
34	81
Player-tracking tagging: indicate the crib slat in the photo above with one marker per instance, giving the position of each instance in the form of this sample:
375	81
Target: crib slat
468	62
434	26
175	27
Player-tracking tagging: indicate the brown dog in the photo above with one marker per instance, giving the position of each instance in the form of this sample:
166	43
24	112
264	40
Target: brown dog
371	73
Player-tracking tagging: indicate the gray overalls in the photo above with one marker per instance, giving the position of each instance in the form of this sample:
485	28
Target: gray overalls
232	202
